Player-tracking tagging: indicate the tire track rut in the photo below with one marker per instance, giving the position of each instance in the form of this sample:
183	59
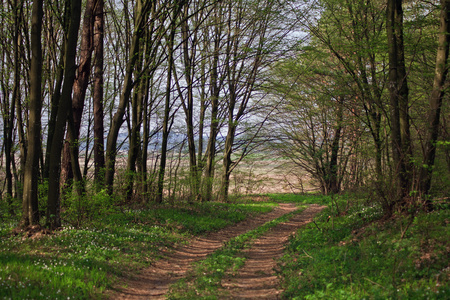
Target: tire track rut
257	279
154	282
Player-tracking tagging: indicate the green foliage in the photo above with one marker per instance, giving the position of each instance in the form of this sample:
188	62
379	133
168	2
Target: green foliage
358	257
304	198
210	216
81	262
76	210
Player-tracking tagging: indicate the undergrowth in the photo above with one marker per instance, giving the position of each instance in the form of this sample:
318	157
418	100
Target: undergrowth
361	256
82	262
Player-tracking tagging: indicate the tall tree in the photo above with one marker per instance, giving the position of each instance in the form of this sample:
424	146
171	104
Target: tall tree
128	84
398	90
435	100
167	120
99	155
248	49
352	32
80	85
30	214
216	83
64	105
8	106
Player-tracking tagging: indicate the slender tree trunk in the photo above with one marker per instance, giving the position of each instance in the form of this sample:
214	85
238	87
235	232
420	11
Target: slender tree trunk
79	95
145	141
188	103
333	180
99	155
30	214
165	132
227	162
56	96
53	208
134	139
118	118
9	109
22	146
215	92
435	100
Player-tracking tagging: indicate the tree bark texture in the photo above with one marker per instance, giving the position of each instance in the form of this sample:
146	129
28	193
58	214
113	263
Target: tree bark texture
398	89
31	173
99	154
78	98
53	202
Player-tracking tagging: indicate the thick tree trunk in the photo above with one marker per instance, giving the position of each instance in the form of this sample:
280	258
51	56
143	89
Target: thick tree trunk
398	89
435	100
30	214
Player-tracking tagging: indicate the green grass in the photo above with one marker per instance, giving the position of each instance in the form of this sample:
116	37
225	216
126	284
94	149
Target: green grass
300	198
204	280
358	256
80	263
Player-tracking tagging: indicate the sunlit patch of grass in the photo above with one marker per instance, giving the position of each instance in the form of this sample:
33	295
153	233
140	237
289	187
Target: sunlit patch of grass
82	262
300	198
358	257
76	263
205	279
211	216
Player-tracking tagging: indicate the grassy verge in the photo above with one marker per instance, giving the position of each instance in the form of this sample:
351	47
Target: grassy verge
359	256
204	280
300	198
80	263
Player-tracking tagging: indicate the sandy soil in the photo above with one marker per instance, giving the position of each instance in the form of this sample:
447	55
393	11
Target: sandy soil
255	281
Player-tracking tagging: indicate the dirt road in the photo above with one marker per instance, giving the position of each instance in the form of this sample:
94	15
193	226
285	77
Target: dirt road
255	281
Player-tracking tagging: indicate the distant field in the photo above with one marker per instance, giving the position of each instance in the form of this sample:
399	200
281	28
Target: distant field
269	176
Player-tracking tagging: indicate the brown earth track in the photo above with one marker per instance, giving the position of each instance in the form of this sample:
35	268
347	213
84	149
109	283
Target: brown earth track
257	279
154	282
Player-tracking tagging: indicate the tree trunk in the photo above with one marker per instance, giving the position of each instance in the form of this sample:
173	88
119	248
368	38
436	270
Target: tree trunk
398	89
435	101
227	162
117	120
215	92
334	182
30	214
99	155
165	133
188	104
79	95
9	110
134	137
53	208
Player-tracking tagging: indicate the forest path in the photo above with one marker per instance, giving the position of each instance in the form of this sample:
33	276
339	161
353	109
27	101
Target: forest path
257	279
154	282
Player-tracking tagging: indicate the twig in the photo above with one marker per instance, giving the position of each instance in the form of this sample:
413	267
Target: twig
316	225
374	283
307	255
